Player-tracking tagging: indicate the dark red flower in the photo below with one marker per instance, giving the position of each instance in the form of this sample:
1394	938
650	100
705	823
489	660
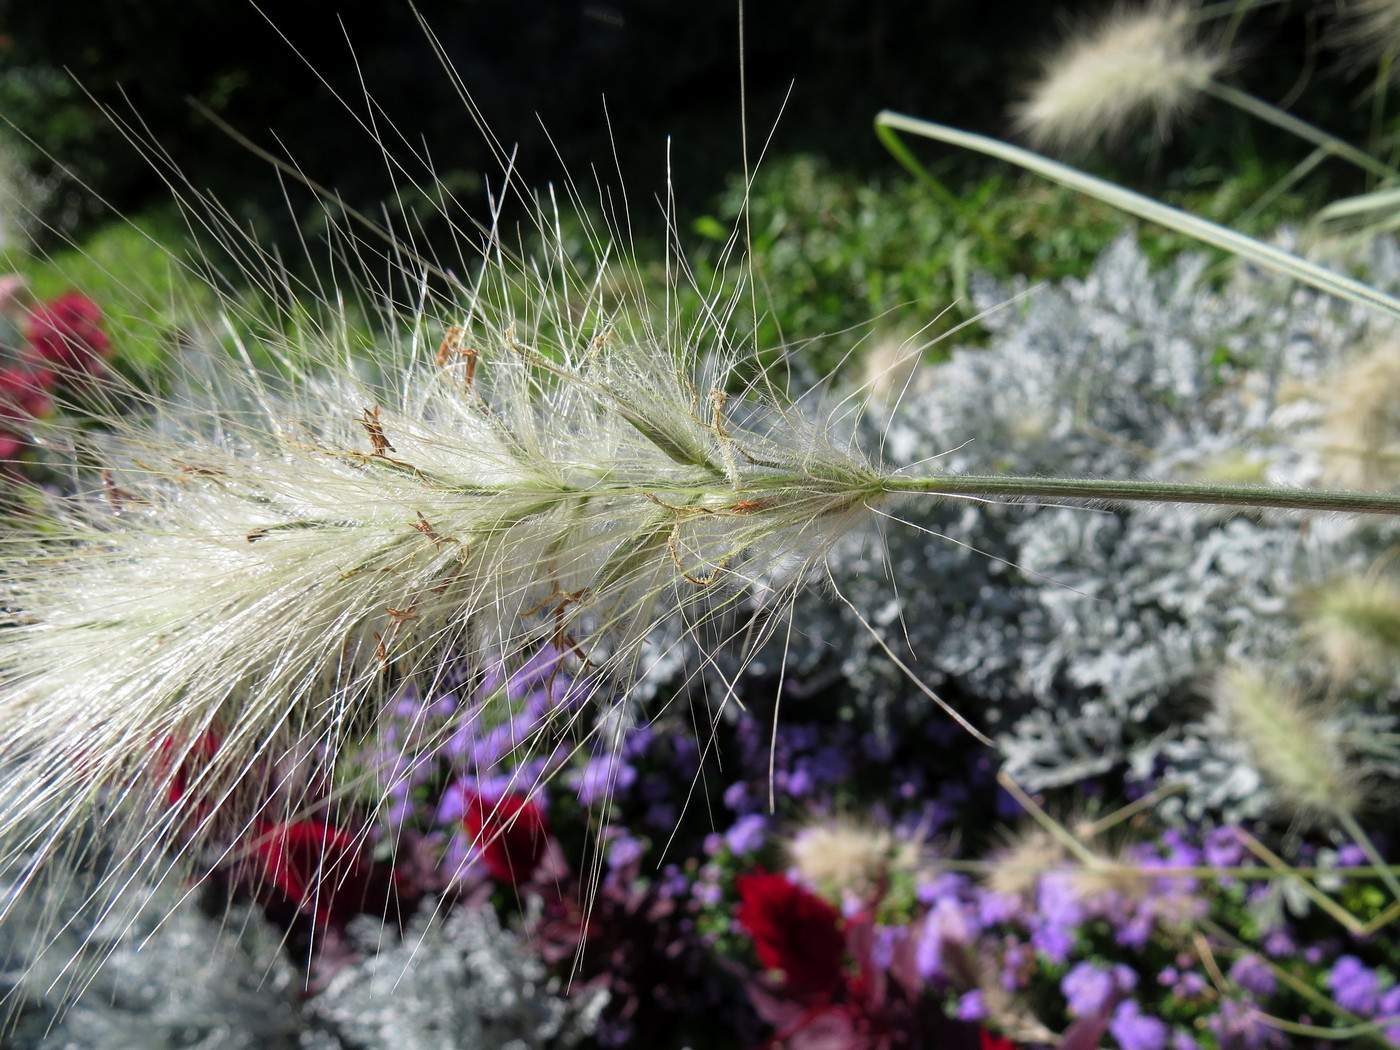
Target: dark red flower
793	930
315	867
510	831
180	763
66	335
22	398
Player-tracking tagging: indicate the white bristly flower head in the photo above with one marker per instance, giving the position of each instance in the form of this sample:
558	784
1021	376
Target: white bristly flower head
535	460
1133	64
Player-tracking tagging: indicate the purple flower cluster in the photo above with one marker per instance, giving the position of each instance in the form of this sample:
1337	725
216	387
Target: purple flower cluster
866	820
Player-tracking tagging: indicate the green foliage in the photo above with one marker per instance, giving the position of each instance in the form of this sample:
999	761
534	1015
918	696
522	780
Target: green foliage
133	269
831	250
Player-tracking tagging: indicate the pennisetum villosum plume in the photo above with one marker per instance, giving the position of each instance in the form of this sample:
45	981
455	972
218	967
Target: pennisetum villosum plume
532	457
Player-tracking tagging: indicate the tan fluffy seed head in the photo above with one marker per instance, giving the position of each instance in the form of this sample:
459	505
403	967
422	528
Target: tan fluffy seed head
1032	852
842	855
1355	623
1369	30
1292	743
1017	867
1361	428
1132	64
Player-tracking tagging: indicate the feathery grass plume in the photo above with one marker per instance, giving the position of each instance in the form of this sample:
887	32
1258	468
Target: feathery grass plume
1073	851
1370	29
1361	425
1130	65
1291	743
265	565
1028	852
844	856
1355	623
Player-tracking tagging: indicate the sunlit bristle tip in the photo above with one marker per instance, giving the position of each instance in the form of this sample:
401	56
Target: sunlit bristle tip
1292	743
1132	65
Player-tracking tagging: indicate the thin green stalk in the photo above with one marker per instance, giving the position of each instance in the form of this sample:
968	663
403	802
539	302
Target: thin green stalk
945	196
1257	107
1103	490
1359	836
1211	233
1181	871
1300	171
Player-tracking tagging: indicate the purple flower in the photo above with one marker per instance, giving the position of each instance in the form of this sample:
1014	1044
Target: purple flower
660	815
624	852
1237	1027
747	834
1388	1014
498	742
829	765
1058	900
971	1007
995	908
1180	853
736	796
800	737
602	777
1190	985
673	882
931	889
1223	847
637	741
452	805
1351	856
1278	945
1134	1030
1088	988
1355	987
1016	961
947	924
887	939
443	706
1061	913
1253	975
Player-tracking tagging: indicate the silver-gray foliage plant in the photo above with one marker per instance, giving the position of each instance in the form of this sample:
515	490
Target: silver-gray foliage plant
1085	638
455	983
173	978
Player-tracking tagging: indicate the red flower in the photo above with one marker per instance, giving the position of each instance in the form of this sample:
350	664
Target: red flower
67	335
510	831
190	762
793	931
22	398
314	867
